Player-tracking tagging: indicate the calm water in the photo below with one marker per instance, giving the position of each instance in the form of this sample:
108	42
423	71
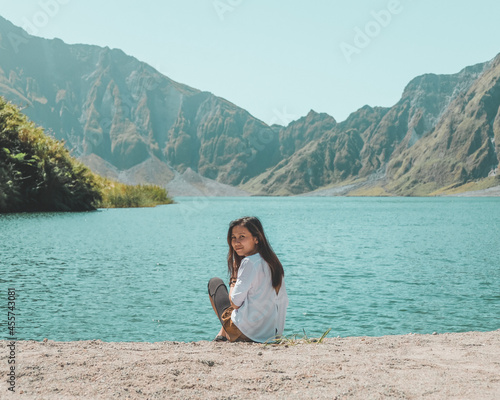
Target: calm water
361	266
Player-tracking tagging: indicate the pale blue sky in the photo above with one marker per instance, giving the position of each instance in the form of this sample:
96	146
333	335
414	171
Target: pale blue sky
278	59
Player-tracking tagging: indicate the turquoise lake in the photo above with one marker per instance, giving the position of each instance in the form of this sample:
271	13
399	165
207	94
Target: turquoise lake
360	266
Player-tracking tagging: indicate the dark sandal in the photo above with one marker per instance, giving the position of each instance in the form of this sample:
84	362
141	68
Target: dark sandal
220	338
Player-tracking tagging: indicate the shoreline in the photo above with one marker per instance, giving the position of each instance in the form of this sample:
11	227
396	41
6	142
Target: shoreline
449	365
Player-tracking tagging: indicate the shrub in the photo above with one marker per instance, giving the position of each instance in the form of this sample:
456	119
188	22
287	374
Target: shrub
37	173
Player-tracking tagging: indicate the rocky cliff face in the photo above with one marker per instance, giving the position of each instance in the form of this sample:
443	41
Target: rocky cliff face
463	143
393	143
316	151
105	103
127	120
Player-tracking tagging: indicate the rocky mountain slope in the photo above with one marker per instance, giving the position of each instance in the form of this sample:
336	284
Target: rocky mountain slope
463	145
395	145
126	120
109	105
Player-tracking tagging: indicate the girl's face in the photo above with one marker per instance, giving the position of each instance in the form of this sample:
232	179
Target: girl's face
244	244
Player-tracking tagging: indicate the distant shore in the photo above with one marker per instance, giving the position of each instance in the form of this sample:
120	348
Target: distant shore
452	365
491	192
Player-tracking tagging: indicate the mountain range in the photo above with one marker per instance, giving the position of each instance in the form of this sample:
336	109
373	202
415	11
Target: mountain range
127	121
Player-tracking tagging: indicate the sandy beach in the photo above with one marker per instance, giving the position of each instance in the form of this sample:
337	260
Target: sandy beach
439	366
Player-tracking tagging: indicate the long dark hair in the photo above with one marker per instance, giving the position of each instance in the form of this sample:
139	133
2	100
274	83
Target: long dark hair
263	247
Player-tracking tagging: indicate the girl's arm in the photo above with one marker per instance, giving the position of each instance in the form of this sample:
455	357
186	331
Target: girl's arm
241	286
232	282
230	293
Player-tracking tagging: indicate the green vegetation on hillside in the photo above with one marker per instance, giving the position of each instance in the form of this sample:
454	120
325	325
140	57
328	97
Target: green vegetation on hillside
37	173
119	195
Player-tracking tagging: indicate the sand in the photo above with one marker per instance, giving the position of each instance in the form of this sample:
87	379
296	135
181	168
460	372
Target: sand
441	366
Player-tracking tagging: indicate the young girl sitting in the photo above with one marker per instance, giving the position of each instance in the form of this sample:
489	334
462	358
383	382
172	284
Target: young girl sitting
255	308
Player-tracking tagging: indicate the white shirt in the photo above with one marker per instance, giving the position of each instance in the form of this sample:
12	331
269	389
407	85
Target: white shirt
262	312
